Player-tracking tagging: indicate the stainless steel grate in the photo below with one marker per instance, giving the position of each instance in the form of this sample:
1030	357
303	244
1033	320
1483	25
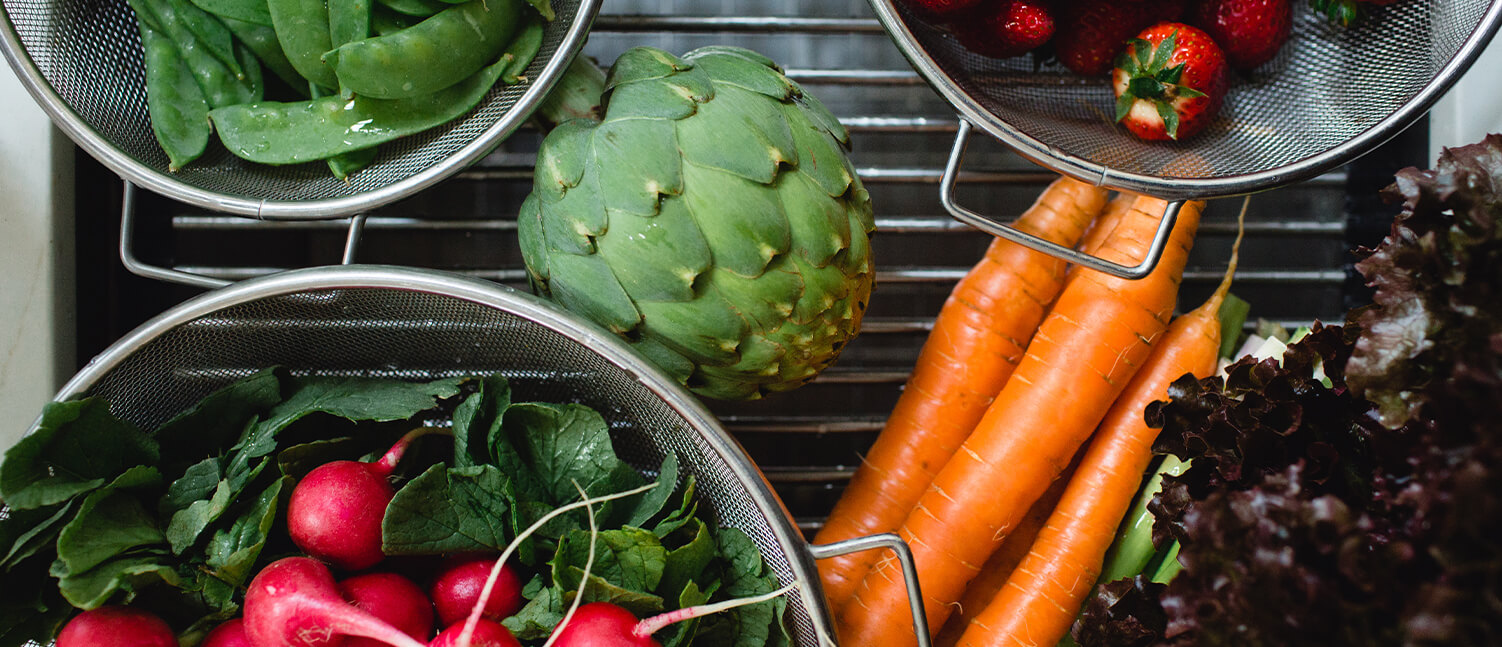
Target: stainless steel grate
807	441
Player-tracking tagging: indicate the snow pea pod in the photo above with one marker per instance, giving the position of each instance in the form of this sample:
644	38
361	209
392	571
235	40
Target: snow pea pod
246	10
302	131
261	39
179	113
349	21
302	28
211	33
220	85
385	21
431	55
414	8
344	165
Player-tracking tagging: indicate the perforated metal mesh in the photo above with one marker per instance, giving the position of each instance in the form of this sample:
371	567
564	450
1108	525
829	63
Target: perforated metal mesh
1327	86
423	333
90	54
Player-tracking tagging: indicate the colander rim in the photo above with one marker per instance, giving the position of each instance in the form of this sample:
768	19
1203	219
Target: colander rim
129	168
515	302
1183	188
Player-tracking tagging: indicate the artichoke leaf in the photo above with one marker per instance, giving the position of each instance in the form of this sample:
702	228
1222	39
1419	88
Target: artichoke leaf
529	237
641	63
716	50
673	97
726	384
664	254
823	117
708	329
820	155
820	226
738	132
560	159
634	161
731	68
827	292
743	221
764	302
586	285
670	361
569	224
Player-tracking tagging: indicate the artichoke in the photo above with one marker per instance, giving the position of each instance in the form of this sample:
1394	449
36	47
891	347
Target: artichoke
710	217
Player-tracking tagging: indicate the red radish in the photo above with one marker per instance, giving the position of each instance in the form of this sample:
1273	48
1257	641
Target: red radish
1250	32
1169	82
335	511
116	626
1005	28
392	598
229	634
488	633
458	587
467	631
602	624
294	602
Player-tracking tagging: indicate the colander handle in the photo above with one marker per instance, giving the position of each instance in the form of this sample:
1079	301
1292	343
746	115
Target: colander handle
141	268
996	228
909	571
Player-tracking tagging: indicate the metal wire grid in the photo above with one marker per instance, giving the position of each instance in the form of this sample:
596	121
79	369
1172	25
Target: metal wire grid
807	441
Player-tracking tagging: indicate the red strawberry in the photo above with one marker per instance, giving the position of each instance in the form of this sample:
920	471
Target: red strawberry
1003	28
1250	32
941	8
1169	82
1091	33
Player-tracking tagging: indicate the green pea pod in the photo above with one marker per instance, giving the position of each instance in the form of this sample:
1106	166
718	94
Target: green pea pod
344	165
211	34
220	85
349	21
179	113
431	55
302	27
522	51
254	11
385	21
303	131
544	8
414	8
261	39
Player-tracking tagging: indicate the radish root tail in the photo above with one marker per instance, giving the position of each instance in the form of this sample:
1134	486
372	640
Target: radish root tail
589	563
656	623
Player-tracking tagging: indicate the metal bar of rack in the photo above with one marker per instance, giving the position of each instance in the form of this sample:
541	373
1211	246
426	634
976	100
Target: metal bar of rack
807	441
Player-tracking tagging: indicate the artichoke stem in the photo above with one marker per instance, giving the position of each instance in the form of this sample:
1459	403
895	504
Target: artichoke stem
577	95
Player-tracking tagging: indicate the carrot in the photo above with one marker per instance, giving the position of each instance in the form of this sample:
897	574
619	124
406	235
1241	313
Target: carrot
1115	212
978	338
993	575
1098	333
1044	593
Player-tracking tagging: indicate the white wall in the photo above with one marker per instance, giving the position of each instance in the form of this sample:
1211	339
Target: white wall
1473	108
36	259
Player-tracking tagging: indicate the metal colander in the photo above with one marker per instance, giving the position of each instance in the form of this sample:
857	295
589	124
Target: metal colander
81	60
418	325
1331	94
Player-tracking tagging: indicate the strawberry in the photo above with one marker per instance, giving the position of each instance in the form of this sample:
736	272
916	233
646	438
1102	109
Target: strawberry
1169	82
1003	28
1091	33
1250	32
941	8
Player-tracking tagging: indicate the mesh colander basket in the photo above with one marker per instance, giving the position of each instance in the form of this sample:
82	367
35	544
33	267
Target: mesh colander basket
1331	94
81	60
418	325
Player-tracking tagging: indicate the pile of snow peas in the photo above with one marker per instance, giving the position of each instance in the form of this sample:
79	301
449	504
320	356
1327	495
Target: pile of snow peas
349	74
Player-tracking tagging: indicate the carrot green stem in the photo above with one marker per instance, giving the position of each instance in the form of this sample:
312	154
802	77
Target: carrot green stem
657	623
495	572
387	464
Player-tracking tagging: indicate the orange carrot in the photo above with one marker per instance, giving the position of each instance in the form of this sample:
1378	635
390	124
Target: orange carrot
1098	333
993	575
980	334
1116	211
1044	593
